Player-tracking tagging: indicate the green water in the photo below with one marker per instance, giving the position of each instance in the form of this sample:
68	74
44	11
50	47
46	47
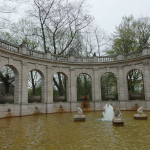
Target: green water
59	132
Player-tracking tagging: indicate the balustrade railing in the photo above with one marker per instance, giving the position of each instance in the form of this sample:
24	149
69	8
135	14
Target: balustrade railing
59	58
83	59
37	54
106	58
11	47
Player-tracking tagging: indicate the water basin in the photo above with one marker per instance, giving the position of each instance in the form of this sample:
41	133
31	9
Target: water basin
59	132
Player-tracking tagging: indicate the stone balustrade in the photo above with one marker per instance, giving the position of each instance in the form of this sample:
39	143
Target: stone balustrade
62	58
9	46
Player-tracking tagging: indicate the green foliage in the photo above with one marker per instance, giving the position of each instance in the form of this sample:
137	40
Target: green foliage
135	85
132	35
109	87
84	87
135	82
37	91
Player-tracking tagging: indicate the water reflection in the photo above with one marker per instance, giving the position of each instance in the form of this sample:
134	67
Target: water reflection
59	132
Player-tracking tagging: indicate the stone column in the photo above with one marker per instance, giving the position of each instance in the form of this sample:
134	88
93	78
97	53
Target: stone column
122	85
96	86
147	80
68	88
96	89
73	85
17	89
44	88
24	83
49	84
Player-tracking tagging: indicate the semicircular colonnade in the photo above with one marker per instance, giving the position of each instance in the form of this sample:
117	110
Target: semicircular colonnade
22	61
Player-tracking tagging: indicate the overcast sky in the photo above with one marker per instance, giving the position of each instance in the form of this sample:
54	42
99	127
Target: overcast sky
108	13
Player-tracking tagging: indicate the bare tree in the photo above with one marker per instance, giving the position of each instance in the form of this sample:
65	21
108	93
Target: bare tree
143	32
60	83
95	40
6	9
101	40
34	81
60	22
41	11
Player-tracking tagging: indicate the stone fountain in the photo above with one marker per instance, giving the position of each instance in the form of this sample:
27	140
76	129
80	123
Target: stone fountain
79	116
108	113
140	114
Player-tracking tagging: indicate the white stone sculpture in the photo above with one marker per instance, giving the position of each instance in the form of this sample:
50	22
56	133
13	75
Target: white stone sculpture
140	114
79	111
79	116
140	110
117	120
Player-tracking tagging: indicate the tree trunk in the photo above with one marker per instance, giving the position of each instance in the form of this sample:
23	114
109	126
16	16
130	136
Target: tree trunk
7	87
33	84
61	91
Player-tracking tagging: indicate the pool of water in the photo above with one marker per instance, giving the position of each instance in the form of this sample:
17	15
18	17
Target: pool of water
60	132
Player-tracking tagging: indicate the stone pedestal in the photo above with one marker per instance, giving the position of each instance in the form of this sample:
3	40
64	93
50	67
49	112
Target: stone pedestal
118	122
140	116
79	118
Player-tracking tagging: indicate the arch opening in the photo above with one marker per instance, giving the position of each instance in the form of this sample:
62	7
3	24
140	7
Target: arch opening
109	87
84	87
7	84
135	85
59	87
34	86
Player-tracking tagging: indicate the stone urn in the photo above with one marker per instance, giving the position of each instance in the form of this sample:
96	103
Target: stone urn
84	97
110	97
59	98
34	98
136	96
6	99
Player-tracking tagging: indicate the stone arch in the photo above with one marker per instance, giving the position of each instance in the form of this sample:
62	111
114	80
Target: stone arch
14	69
135	67
11	94
113	71
61	73
39	71
36	83
135	82
89	73
84	87
126	69
109	86
60	87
